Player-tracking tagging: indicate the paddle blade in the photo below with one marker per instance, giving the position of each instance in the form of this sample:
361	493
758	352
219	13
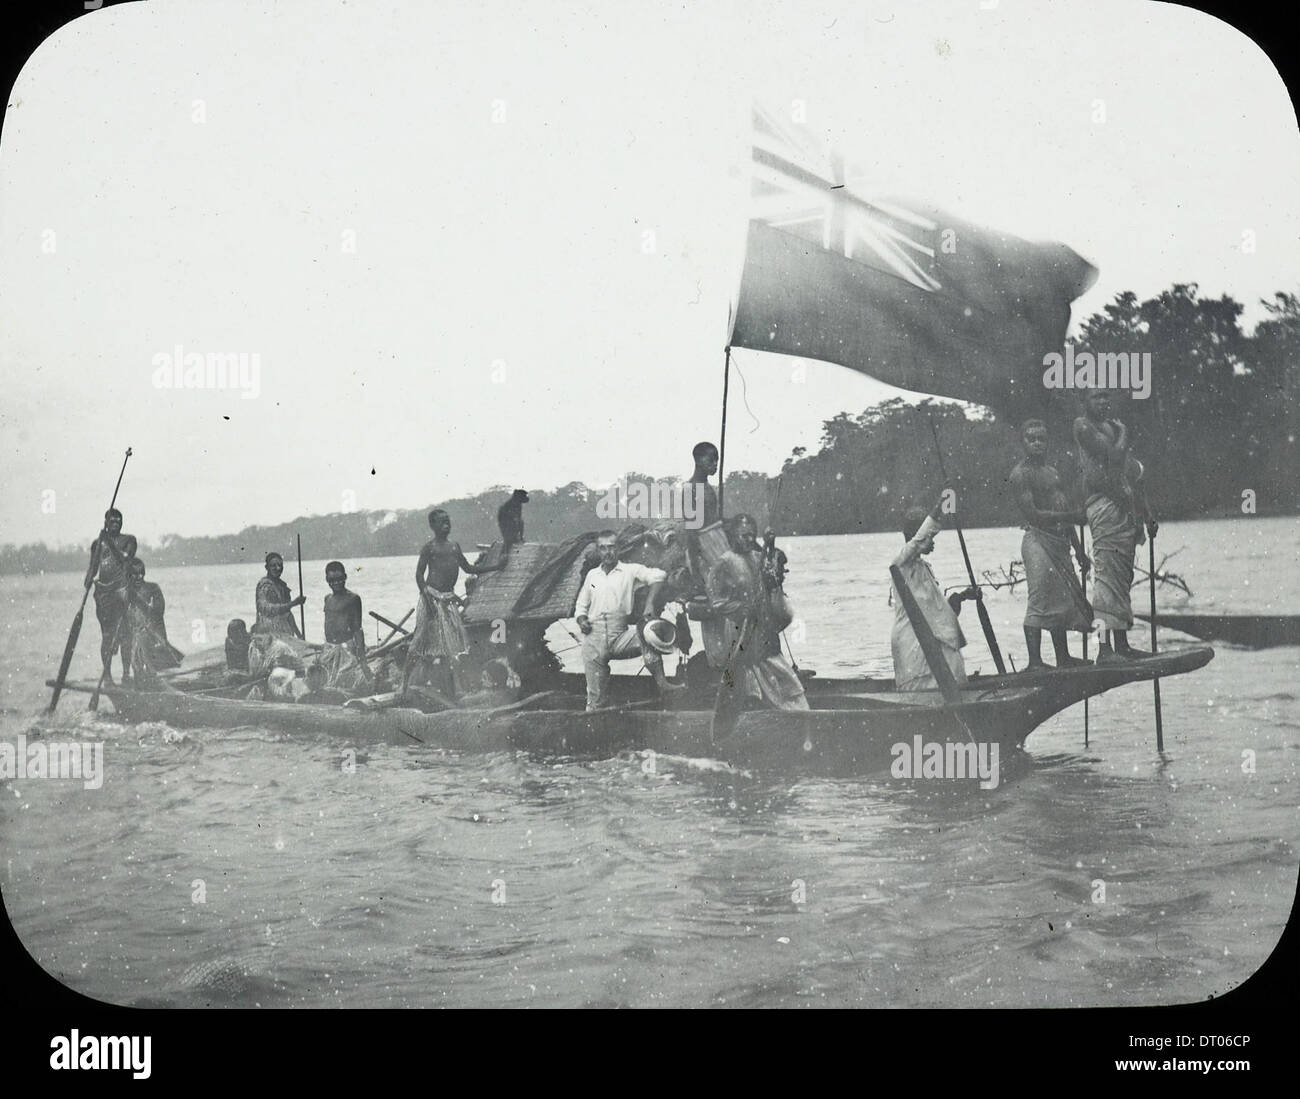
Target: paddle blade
728	703
66	662
986	624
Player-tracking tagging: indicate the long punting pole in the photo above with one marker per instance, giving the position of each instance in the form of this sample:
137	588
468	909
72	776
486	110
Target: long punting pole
1083	585
986	624
1155	683
302	607
722	432
93	704
75	631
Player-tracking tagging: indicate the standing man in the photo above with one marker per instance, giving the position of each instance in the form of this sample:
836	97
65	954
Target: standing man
705	495
911	669
1117	508
602	612
1056	601
274	636
344	655
704	501
274	602
743	587
109	556
439	629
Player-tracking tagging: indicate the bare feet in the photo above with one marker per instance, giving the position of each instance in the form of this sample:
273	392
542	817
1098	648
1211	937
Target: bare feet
1072	662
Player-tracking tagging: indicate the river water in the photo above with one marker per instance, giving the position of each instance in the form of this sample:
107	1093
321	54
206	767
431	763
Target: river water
242	867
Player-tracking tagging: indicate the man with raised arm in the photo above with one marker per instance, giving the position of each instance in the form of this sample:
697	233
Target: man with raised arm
1056	601
1117	508
911	669
109	555
439	628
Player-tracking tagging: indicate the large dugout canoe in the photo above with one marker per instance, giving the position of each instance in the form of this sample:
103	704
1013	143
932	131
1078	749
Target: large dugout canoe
850	729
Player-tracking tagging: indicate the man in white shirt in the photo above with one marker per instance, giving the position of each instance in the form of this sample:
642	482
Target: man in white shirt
603	611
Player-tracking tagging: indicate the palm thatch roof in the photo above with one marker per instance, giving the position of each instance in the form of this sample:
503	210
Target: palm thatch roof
541	579
496	595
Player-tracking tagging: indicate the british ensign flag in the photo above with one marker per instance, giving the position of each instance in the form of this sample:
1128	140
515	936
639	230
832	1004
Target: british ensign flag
911	296
799	187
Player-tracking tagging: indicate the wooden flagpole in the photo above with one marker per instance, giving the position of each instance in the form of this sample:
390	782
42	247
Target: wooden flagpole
722	432
1083	586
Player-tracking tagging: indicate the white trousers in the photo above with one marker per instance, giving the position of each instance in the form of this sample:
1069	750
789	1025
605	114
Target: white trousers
611	638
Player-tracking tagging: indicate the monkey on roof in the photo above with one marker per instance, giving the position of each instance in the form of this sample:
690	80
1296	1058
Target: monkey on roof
510	518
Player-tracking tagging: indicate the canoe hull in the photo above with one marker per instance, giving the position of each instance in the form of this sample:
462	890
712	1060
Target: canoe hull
849	730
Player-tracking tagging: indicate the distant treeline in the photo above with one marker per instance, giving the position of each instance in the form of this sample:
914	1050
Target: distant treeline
1219	434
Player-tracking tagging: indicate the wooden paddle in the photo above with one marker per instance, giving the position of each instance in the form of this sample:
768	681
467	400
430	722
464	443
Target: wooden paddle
986	623
396	627
1155	683
79	688
522	704
75	632
726	708
93	704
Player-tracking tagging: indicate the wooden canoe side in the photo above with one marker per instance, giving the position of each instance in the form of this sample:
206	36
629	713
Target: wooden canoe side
851	732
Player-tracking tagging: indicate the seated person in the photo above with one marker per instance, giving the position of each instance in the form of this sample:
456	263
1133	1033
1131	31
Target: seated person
496	689
267	651
282	685
318	692
388	673
151	652
237	640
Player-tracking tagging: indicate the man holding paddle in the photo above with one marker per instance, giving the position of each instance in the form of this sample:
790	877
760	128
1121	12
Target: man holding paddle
108	575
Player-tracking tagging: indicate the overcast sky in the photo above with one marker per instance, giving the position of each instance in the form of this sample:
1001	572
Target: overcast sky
495	243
